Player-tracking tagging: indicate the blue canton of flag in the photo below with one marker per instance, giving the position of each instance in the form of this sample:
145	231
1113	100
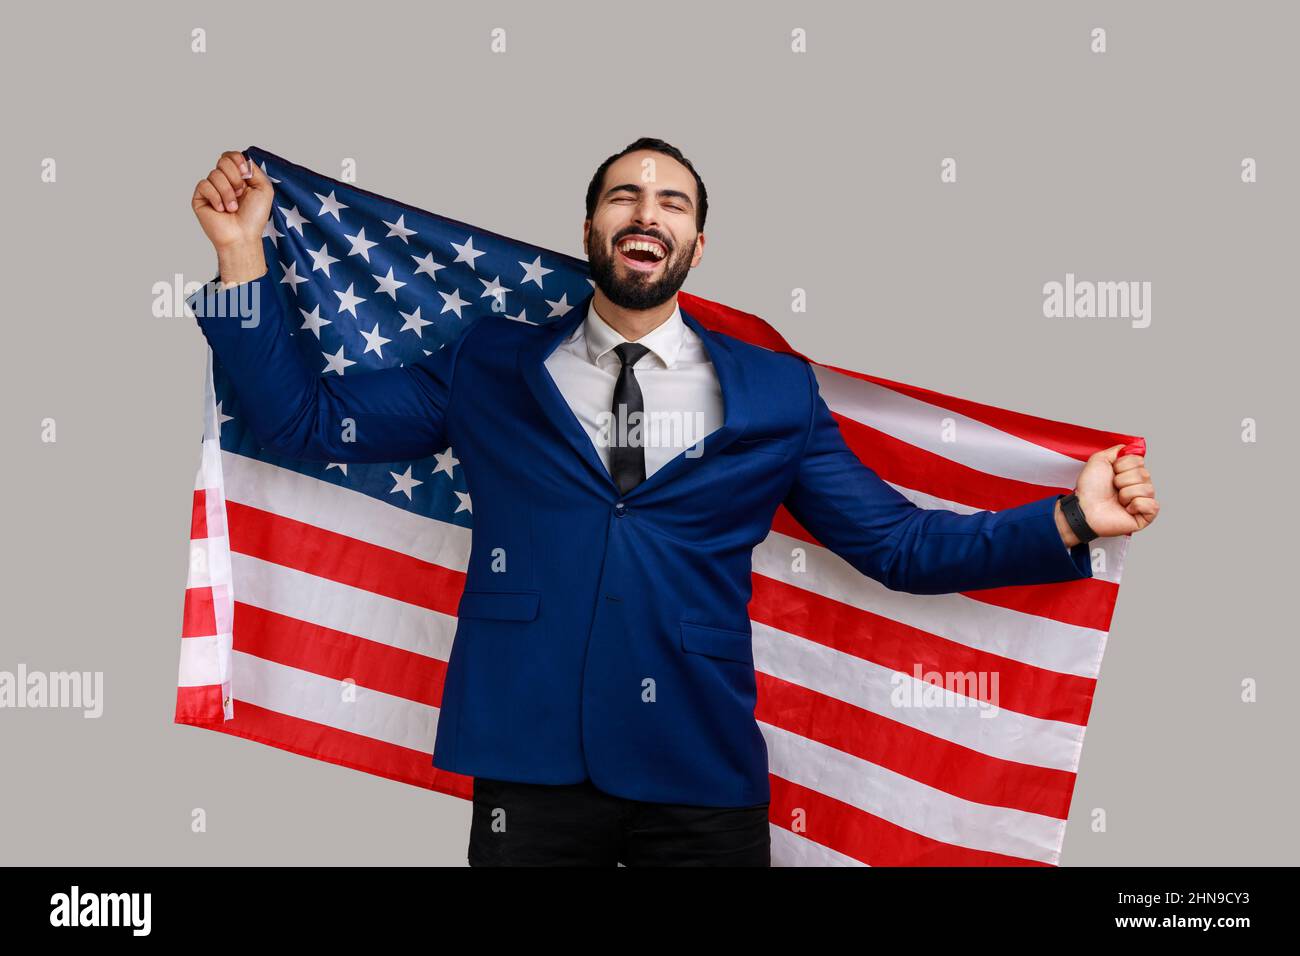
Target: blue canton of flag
372	283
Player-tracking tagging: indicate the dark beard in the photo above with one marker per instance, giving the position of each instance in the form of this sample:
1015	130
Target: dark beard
636	291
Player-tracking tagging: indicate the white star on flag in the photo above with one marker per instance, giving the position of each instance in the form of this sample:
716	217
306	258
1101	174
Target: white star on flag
330	205
404	482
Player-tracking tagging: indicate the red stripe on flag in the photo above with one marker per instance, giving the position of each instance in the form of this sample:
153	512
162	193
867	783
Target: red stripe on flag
199	705
1089	602
931	760
342	747
338	557
742	325
199	618
1074	441
866	837
338	655
913	467
1023	688
199	515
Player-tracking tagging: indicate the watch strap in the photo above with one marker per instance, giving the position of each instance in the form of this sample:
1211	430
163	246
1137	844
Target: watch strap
1073	512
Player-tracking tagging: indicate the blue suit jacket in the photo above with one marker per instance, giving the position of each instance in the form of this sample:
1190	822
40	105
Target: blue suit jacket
606	595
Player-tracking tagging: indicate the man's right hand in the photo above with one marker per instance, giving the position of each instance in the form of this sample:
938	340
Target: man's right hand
232	204
398	413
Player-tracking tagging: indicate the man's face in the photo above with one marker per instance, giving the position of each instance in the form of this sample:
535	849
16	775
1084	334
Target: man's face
649	198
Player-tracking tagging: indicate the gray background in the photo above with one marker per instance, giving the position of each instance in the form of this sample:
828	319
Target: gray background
823	174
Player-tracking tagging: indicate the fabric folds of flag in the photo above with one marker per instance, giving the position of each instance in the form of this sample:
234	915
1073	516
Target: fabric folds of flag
901	729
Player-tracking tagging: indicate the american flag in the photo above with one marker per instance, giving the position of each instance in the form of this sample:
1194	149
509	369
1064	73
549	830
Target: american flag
901	729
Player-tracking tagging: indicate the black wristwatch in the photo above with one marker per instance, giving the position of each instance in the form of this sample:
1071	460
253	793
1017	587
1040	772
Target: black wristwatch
1073	512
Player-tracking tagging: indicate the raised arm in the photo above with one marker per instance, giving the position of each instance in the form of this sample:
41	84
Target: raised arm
866	521
394	414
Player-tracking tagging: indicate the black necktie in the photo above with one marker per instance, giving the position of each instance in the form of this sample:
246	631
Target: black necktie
627	462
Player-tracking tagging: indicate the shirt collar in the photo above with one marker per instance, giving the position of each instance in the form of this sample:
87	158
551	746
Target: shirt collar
664	341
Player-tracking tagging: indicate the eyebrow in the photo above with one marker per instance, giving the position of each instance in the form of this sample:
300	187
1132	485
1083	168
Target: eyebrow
637	190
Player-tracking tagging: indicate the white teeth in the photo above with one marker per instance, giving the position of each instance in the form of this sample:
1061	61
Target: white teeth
651	247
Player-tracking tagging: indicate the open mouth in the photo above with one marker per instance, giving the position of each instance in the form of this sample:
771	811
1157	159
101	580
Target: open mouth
642	253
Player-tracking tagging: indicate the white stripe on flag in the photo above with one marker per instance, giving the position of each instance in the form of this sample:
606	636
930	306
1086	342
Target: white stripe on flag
791	849
1035	640
314	501
910	804
918	423
302	694
342	607
1007	736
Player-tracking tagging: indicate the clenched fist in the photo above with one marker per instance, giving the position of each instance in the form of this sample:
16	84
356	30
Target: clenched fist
232	204
1116	494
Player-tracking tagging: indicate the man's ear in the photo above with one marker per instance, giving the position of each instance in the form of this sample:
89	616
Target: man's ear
699	250
586	231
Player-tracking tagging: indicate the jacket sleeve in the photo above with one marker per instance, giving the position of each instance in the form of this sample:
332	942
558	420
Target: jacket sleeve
393	414
870	524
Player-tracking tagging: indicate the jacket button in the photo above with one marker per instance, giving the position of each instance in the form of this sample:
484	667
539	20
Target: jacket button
620	509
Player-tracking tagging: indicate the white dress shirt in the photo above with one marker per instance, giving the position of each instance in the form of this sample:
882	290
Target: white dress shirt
679	388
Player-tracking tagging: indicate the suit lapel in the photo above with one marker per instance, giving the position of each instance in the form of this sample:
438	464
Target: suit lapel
532	366
731	381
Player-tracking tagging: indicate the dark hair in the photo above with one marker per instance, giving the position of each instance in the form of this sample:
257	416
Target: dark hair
658	146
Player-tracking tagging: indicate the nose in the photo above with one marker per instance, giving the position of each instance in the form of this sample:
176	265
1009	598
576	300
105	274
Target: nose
643	217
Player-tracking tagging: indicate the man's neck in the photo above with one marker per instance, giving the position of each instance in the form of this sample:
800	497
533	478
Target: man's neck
632	324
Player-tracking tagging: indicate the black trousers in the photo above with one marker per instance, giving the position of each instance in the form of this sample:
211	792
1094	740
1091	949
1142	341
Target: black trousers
533	824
